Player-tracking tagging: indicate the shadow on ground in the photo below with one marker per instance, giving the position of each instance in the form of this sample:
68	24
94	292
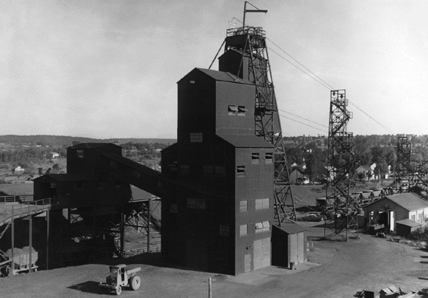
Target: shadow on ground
88	287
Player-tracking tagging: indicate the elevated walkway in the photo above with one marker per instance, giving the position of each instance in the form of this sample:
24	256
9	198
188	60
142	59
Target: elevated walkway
14	209
133	173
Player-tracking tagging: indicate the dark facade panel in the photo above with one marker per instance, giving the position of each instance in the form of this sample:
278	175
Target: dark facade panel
234	109
233	62
85	158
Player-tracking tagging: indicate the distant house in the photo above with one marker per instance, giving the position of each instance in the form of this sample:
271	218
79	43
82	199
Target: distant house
54	155
297	176
364	171
18	170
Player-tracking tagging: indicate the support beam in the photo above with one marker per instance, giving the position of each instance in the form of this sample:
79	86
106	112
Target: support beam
30	242
122	232
149	218
13	241
47	238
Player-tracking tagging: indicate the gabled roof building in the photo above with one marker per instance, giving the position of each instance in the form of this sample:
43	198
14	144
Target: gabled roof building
393	208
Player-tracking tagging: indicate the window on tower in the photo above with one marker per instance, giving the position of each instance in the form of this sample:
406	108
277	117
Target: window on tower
241	111
232	110
196	137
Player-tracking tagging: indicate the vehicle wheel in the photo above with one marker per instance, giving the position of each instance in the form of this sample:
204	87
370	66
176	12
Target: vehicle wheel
135	282
118	290
6	271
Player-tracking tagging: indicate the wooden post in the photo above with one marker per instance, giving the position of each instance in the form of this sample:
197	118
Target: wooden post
47	239
149	218
13	243
122	233
30	246
210	289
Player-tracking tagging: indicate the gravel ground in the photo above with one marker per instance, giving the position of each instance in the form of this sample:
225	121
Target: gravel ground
334	269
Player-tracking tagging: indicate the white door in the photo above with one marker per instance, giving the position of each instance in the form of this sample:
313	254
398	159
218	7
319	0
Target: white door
391	221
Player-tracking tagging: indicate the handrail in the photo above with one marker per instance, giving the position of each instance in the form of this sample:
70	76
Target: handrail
255	31
26	208
17	198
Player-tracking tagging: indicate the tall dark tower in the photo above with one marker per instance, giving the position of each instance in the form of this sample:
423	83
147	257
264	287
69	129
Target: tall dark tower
246	56
219	178
341	206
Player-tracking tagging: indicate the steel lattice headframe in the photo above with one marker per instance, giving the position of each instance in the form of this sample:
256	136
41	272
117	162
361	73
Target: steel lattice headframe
410	174
403	171
267	121
341	208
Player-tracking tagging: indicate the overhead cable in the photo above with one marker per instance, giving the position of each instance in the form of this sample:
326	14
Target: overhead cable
304	123
304	118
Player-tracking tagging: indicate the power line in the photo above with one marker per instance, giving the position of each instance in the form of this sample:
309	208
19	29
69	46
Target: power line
316	78
309	75
324	82
304	118
303	123
371	117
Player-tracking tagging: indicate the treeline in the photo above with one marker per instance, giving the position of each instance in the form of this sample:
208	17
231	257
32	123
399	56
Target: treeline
24	156
65	141
380	149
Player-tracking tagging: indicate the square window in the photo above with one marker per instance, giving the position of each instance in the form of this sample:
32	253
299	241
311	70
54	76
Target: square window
232	110
224	230
191	203
262	226
243	205
269	157
80	153
201	204
240	171
173	166
255	157
220	170
243	230
196	137
173	208
241	111
208	169
184	169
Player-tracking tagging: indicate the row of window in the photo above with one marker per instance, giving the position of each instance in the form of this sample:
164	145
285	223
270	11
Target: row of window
208	170
236	110
260	205
201	204
259	227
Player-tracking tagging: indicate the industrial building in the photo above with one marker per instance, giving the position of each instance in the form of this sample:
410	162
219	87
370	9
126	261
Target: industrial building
217	218
221	185
393	209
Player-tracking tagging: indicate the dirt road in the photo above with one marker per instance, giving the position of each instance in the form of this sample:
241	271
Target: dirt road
334	269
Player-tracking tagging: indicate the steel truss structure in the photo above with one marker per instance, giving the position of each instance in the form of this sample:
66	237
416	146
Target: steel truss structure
403	174
419	179
104	235
253	51
341	208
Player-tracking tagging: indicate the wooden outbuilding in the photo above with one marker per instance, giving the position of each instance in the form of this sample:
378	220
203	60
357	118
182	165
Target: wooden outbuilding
288	245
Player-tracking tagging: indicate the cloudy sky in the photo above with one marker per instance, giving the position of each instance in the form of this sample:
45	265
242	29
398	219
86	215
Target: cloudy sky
108	69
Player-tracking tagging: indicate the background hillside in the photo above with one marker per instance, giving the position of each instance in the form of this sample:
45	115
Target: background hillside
61	141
